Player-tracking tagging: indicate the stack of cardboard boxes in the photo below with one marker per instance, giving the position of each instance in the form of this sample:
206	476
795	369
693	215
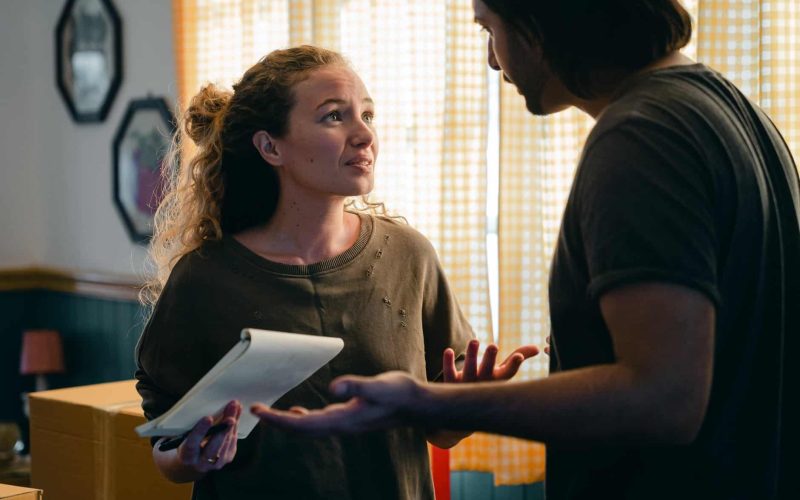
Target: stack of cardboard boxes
83	446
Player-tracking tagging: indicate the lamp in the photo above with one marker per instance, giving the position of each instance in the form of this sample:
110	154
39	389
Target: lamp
41	354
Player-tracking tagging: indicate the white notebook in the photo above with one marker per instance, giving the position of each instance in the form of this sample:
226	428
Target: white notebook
263	366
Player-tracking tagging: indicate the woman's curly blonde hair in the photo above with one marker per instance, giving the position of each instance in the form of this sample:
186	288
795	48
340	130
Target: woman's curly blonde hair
226	187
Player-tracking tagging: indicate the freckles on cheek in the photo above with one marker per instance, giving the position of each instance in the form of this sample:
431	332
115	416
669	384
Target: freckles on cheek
311	160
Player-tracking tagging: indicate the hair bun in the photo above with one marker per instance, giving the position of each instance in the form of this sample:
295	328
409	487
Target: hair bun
203	118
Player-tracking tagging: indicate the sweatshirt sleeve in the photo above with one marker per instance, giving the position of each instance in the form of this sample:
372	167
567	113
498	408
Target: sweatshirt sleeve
444	323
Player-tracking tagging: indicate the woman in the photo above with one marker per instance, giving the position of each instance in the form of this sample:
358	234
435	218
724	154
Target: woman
256	233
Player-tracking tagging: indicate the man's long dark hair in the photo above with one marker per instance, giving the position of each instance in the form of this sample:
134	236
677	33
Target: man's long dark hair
580	38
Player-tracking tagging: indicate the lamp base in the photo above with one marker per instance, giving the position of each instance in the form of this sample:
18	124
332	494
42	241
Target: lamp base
41	382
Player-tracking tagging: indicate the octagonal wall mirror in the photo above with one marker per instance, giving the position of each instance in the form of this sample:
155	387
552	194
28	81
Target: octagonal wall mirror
88	58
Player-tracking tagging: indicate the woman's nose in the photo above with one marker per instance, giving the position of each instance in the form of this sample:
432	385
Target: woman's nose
363	134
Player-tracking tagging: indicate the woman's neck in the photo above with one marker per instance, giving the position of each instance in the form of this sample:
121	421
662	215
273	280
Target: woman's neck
303	233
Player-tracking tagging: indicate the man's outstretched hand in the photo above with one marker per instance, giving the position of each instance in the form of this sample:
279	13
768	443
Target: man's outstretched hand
390	399
375	403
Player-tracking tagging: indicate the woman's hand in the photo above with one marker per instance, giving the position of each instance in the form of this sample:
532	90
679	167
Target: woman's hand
472	371
486	371
201	452
205	453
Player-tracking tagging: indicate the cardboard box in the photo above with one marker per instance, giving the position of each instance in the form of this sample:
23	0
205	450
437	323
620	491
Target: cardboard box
83	445
19	493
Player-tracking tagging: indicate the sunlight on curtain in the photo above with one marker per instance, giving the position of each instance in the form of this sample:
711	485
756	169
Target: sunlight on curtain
757	45
538	156
423	63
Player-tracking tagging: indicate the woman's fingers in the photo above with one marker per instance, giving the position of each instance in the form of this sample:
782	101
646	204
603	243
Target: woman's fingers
470	371
486	370
510	367
449	370
190	448
212	451
208	447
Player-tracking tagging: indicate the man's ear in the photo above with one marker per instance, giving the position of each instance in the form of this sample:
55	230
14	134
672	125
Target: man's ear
266	148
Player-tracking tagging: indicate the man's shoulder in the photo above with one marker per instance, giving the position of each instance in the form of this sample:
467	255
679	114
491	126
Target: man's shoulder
677	93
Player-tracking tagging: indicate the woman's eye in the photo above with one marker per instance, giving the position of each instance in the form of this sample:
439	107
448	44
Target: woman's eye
333	115
368	117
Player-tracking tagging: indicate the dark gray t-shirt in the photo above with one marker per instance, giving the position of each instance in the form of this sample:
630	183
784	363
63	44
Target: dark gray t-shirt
683	180
386	297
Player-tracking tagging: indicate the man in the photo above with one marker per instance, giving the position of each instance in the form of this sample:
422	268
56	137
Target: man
672	280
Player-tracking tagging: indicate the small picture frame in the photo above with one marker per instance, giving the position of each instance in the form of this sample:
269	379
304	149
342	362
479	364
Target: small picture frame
88	58
140	148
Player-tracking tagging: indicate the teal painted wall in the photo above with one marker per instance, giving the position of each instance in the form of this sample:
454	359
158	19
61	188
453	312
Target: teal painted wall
465	485
99	337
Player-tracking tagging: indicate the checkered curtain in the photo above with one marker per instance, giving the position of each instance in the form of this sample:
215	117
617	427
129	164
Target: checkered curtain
423	61
757	45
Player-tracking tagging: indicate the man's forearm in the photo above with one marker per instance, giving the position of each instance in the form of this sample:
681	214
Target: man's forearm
605	403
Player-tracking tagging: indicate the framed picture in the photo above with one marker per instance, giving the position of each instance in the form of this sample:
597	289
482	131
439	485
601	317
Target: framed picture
140	148
88	58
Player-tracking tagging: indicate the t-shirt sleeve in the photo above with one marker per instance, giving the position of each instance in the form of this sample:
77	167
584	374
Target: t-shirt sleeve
444	324
646	209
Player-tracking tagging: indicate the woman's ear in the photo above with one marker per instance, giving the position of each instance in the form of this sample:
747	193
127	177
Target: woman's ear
266	148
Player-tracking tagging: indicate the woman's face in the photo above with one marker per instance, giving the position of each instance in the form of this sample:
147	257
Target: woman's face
331	146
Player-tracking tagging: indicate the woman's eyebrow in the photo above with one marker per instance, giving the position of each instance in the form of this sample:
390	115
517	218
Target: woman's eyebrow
335	100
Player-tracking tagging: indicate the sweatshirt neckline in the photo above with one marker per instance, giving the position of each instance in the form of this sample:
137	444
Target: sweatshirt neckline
332	264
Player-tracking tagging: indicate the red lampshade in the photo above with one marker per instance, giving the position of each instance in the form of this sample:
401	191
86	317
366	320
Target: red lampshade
41	352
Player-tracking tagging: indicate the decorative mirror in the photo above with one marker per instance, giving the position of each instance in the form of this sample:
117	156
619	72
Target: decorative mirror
88	58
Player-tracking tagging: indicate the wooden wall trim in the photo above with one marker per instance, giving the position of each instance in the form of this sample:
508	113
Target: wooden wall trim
99	285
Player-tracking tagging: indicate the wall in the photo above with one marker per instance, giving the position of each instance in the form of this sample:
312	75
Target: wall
56	205
55	175
21	220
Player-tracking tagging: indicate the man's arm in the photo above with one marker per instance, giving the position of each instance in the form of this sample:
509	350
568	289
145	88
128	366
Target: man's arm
656	391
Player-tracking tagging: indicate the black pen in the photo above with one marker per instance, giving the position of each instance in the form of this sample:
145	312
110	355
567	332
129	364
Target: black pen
174	442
